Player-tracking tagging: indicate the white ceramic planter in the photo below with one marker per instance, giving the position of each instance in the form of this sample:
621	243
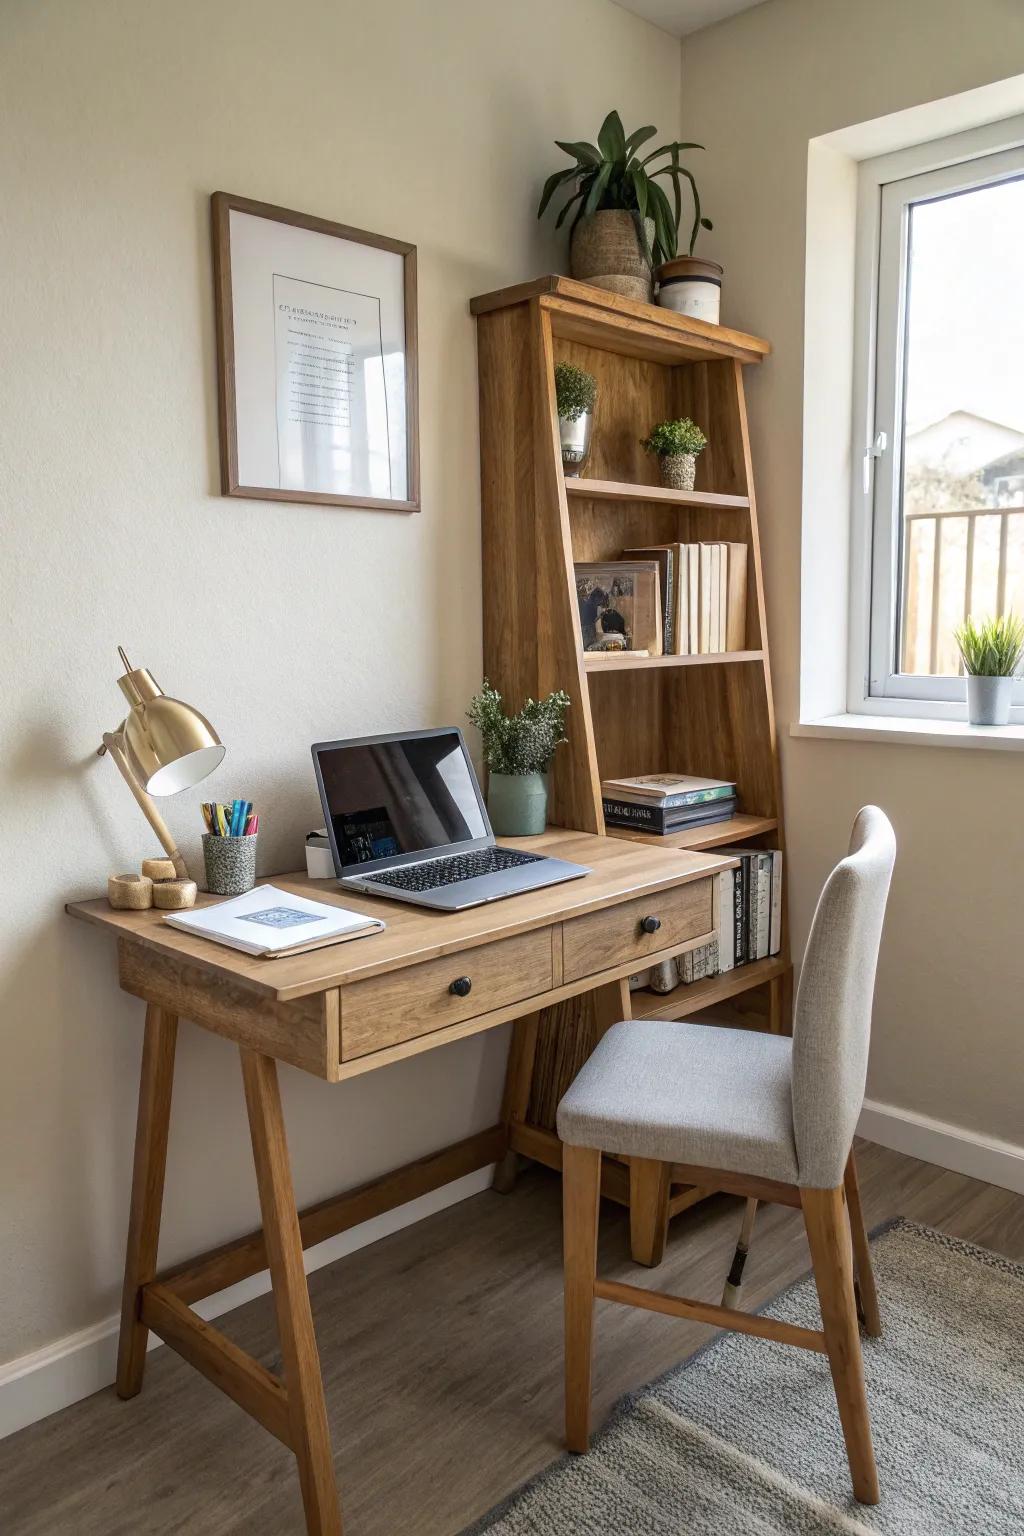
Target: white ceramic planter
988	700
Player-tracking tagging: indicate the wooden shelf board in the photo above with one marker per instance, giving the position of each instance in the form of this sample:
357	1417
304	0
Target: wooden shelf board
627	661
614	490
735	830
690	999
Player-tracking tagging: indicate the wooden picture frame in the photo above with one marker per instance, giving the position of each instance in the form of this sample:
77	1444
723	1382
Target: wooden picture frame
619	599
234	465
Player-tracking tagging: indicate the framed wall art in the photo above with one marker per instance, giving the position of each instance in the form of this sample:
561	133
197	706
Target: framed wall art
316	342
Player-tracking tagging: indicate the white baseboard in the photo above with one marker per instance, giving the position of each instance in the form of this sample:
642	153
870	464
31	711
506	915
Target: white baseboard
949	1146
38	1384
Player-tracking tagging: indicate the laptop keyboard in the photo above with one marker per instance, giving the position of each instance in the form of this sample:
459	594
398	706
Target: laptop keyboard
460	866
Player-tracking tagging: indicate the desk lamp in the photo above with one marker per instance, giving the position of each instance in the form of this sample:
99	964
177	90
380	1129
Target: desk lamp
162	746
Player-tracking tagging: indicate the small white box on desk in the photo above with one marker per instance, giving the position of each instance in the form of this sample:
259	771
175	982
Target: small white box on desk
319	859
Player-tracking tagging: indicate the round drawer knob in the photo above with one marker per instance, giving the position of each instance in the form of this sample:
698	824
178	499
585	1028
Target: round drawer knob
461	986
650	924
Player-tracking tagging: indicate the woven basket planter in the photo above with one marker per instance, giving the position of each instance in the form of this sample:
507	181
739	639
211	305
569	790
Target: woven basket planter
678	471
605	251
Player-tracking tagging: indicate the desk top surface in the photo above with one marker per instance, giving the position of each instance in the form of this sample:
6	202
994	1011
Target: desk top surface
619	870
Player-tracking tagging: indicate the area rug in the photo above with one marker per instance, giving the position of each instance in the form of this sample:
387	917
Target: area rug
744	1438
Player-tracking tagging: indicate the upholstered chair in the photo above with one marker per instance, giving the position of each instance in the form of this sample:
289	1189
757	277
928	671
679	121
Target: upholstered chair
754	1114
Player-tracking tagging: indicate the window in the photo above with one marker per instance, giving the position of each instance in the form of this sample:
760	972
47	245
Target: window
939	493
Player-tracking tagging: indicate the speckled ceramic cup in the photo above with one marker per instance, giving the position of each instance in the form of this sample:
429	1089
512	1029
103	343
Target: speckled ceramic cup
230	864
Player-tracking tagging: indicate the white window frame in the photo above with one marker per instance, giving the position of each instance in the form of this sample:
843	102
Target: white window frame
887	187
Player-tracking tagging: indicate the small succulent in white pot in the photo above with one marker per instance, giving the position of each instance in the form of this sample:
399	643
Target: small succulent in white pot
575	397
992	652
518	750
676	445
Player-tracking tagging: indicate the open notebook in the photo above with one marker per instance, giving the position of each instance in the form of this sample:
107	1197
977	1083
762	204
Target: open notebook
268	922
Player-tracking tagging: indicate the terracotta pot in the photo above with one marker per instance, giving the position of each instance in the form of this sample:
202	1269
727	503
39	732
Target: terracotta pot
691	286
606	252
678	471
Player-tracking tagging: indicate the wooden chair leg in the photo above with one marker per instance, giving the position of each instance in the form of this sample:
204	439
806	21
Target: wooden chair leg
650	1186
867	1295
734	1279
307	1410
522	1052
828	1234
581	1197
151	1132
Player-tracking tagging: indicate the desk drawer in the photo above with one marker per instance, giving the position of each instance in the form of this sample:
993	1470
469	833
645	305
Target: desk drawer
385	1010
605	939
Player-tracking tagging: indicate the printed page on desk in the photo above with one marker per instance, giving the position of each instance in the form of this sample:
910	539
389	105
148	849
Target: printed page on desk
267	921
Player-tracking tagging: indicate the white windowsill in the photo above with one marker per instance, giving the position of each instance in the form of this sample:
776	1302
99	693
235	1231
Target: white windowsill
905	730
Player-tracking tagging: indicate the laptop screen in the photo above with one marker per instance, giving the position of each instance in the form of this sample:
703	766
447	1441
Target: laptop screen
399	796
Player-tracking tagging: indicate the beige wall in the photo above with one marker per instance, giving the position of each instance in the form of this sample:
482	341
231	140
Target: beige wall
431	122
948	1039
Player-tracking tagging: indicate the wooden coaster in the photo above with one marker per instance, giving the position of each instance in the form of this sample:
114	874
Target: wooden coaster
159	869
174	894
130	893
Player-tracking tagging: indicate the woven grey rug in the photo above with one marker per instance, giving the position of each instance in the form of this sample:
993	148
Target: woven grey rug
744	1439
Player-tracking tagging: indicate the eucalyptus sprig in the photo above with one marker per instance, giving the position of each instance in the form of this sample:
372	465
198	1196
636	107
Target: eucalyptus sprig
993	647
575	391
670	438
610	174
522	743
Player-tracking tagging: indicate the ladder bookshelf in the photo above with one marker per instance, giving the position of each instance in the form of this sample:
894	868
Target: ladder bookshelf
706	714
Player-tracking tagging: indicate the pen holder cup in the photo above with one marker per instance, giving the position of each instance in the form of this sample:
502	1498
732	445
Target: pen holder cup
230	864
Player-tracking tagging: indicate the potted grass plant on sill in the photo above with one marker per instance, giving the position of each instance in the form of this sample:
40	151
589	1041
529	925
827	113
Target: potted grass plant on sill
676	445
992	652
518	750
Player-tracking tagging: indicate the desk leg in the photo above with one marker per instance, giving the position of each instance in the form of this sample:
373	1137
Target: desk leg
147	1192
522	1053
306	1407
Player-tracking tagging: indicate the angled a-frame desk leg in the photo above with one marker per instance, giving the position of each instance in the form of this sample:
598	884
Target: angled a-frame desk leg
307	1411
147	1192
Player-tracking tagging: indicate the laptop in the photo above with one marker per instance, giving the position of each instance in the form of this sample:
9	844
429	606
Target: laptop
406	819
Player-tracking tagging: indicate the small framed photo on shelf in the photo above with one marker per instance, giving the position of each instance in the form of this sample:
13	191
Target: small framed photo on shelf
316	346
620	607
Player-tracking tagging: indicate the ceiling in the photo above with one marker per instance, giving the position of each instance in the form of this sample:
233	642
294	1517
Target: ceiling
682	16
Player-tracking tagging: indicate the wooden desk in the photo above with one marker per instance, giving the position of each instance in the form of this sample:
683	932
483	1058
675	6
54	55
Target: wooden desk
336	1013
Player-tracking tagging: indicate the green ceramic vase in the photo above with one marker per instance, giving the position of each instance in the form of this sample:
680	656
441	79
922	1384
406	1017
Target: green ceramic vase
517	803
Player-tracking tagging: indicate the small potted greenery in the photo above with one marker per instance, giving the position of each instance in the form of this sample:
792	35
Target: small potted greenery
676	445
576	396
623	224
518	750
992	652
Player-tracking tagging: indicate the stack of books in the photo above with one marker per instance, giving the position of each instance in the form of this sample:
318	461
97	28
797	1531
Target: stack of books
703	593
661	803
750	915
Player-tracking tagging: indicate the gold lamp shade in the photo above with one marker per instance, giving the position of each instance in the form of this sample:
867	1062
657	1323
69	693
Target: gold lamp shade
169	745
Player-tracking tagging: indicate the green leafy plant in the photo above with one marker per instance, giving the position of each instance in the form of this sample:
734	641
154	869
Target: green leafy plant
993	647
670	438
522	743
575	391
611	175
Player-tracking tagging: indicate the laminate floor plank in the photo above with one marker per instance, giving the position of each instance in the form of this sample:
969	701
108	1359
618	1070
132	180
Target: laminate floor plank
442	1356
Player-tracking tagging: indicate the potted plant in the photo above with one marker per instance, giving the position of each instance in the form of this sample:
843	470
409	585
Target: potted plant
991	651
623	224
518	750
575	395
676	444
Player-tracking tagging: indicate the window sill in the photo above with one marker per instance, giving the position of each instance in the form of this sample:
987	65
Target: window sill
906	731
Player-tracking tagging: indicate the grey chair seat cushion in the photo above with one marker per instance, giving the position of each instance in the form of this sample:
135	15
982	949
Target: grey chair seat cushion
687	1093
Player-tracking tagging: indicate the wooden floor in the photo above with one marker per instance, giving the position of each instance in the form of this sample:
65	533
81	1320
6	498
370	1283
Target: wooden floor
441	1348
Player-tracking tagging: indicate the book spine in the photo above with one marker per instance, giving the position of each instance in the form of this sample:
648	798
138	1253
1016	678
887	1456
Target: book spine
726	947
669	604
750	907
738	909
670	802
654	819
764	903
775	927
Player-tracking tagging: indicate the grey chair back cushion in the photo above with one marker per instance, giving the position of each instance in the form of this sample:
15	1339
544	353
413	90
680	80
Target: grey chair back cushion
832	1014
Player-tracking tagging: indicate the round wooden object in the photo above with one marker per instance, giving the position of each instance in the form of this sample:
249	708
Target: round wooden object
159	869
130	893
174	894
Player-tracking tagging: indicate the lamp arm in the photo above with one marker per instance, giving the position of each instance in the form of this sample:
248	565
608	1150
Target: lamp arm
113	745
